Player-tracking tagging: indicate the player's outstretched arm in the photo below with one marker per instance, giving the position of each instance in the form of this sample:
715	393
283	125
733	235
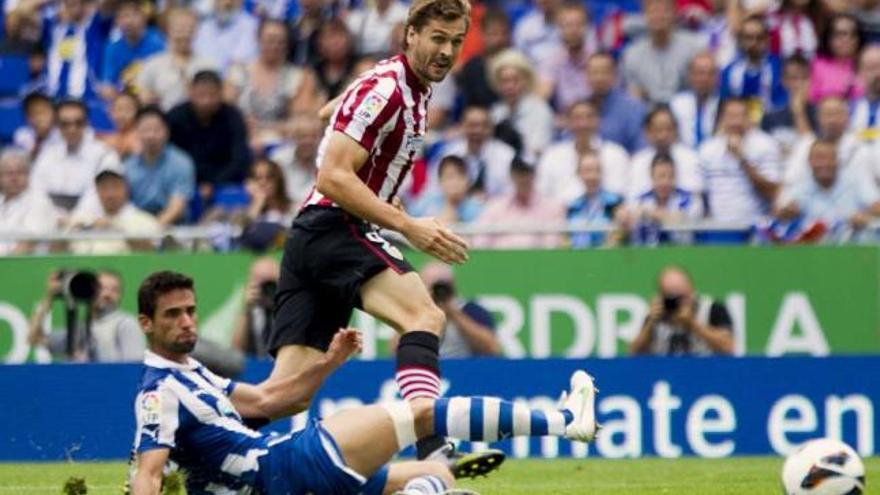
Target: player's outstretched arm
282	397
148	477
338	180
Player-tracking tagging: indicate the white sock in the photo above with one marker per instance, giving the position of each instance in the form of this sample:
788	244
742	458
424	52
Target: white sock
424	485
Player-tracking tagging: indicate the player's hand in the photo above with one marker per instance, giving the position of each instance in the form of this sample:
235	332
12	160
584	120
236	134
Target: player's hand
432	237
346	342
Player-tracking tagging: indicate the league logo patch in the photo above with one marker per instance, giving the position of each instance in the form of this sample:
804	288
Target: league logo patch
150	408
370	108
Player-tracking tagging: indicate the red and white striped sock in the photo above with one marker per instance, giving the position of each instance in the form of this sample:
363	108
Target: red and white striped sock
417	381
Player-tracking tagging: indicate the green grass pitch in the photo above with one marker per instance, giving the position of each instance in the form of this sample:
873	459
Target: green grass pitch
739	476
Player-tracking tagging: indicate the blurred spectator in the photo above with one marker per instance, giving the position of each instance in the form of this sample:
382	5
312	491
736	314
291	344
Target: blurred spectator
718	30
123	57
123	111
868	14
536	32
662	133
336	57
470	328
472	81
654	67
269	202
23	28
255	320
838	198
487	158
596	205
453	202
740	165
755	74
298	155
40	130
793	28
833	72
372	23
165	75
833	118
77	38
682	323
663	205
514	78
696	109
23	208
303	49
212	132
66	169
115	213
864	119
269	90
798	116
228	36
161	176
558	168
562	73
113	335
524	206
621	114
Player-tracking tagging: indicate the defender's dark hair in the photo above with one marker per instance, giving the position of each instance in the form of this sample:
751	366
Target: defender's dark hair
157	285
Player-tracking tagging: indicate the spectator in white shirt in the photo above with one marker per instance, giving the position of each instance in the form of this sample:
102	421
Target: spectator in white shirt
835	197
372	24
741	170
514	78
662	133
165	76
833	119
23	209
557	175
40	127
536	33
866	113
487	158
115	213
229	36
65	170
696	109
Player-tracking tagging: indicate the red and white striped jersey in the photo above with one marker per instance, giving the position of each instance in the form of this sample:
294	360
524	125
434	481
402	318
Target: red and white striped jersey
385	111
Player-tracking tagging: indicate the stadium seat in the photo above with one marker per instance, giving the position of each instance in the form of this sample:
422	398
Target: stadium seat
11	118
16	74
231	197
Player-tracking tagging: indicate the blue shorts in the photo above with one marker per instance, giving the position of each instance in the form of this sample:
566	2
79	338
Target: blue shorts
309	462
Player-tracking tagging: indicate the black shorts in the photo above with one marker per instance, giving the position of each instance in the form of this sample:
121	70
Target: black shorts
328	256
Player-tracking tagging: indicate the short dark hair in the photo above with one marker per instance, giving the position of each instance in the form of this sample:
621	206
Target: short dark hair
758	19
151	111
71	103
796	59
731	100
207	76
520	166
134	4
656	111
583	103
158	284
827	33
423	11
453	161
662	159
34	99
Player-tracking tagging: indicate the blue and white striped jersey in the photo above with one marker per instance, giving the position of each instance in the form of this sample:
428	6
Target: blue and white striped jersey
186	408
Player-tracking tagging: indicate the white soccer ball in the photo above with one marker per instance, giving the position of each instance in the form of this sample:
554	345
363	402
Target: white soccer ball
824	467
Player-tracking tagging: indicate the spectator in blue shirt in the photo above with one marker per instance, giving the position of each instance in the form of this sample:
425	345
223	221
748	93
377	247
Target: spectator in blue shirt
76	39
138	41
596	206
452	203
755	74
161	176
621	114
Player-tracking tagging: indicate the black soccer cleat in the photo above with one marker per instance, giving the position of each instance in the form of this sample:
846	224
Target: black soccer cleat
474	464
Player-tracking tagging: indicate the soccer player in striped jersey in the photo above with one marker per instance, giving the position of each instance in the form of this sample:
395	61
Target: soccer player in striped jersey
188	415
336	260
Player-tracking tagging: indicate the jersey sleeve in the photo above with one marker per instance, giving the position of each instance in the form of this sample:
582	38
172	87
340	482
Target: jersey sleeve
367	108
224	384
157	412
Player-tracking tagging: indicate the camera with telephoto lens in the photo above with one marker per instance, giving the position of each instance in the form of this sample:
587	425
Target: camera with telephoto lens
442	291
77	285
671	304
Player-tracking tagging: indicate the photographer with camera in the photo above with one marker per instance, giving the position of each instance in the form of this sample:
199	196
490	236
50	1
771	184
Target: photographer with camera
470	328
680	323
255	320
107	334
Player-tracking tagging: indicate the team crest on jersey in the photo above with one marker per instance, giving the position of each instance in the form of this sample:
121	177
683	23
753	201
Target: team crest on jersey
151	408
371	106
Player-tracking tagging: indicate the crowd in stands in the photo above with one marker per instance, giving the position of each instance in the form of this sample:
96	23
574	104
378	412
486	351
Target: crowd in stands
757	116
